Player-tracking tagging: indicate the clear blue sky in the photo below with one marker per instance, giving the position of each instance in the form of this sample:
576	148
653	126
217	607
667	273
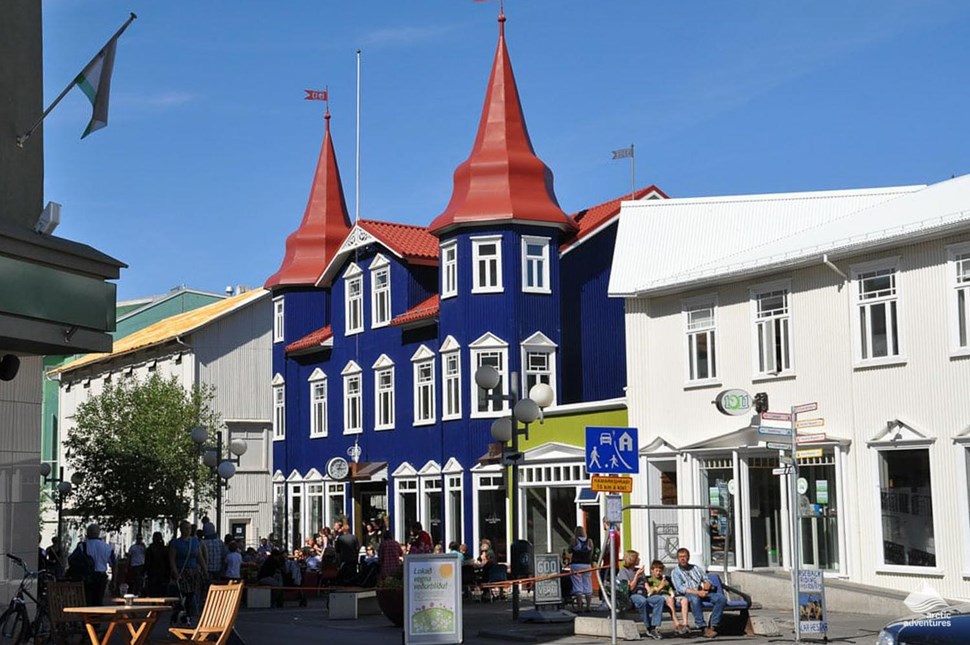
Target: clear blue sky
205	166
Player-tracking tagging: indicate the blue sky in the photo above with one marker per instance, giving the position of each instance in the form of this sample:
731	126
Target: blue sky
205	166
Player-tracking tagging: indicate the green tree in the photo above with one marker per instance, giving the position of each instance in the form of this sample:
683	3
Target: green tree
132	444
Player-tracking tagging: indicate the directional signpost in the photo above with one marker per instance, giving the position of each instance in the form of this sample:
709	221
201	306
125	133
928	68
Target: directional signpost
777	445
810	438
810	423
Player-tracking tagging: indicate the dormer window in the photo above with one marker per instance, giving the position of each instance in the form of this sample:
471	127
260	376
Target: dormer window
487	264
278	320
535	264
353	300
449	270
380	291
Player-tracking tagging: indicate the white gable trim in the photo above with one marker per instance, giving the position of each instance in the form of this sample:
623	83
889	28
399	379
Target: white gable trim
555	451
488	339
539	340
383	361
277	380
430	468
295	477
380	261
351	368
405	470
423	354
658	447
449	344
453	467
313	474
317	375
899	433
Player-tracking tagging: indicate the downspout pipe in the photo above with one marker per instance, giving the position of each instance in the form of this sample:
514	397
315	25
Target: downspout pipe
829	264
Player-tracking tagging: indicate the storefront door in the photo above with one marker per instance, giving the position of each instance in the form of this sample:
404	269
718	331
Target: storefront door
818	514
766	521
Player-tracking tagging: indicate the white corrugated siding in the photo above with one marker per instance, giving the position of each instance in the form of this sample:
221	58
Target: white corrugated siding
929	392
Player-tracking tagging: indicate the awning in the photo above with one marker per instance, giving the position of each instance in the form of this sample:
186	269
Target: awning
586	496
368	470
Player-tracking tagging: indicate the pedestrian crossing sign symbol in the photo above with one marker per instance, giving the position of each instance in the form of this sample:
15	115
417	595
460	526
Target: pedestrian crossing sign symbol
611	451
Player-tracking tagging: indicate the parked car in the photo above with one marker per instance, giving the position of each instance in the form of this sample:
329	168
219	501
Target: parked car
950	626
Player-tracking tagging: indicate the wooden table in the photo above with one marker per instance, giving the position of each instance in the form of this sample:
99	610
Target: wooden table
156	600
139	619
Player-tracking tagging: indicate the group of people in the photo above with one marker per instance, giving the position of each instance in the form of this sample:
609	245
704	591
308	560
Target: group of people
687	586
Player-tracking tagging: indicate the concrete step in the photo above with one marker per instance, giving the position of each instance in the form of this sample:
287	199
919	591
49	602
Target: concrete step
772	589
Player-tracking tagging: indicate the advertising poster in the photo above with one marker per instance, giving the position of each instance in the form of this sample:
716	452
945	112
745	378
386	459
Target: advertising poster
822	492
547	592
432	598
811	602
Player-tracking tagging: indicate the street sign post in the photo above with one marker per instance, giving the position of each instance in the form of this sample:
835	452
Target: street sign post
612	451
775	416
810	423
604	484
808	454
804	407
782	432
776	445
810	438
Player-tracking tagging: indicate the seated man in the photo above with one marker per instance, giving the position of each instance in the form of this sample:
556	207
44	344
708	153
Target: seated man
691	581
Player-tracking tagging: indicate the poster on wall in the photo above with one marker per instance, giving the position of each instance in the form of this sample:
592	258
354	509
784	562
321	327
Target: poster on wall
811	602
432	598
822	492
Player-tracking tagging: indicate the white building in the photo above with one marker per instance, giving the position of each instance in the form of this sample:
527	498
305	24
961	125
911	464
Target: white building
225	344
858	300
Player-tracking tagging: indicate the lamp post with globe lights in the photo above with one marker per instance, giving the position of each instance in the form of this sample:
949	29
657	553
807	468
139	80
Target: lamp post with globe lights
224	469
506	430
63	487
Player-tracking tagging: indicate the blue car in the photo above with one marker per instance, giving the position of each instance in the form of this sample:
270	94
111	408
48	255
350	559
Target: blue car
950	626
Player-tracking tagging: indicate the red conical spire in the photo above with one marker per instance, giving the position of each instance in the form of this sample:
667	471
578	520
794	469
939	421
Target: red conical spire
324	227
502	179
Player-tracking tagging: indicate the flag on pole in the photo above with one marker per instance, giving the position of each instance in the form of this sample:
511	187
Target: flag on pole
95	82
623	153
315	95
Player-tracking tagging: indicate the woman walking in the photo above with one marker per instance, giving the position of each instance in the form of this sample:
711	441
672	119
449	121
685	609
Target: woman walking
186	556
581	557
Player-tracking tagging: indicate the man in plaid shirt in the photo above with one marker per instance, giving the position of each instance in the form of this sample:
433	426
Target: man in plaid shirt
691	581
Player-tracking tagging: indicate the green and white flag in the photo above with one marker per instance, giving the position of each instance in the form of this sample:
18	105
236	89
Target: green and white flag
95	82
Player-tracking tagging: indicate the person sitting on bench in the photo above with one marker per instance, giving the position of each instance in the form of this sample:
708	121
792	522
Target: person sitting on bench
691	581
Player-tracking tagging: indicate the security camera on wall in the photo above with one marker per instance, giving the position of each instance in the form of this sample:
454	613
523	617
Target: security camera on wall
49	219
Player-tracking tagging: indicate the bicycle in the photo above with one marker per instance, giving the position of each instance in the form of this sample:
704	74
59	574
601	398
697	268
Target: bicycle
15	624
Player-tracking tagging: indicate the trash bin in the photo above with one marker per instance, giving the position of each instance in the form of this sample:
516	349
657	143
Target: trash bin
522	561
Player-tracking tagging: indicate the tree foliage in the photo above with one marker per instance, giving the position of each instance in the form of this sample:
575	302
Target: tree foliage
132	444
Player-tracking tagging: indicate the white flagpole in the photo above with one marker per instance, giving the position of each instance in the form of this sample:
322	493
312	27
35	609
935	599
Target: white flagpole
633	174
22	139
357	197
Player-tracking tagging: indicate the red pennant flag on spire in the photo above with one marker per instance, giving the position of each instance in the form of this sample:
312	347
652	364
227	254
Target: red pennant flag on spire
315	95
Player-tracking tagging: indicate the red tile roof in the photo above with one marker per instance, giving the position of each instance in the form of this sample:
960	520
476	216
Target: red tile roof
422	311
413	243
592	218
325	225
502	179
312	341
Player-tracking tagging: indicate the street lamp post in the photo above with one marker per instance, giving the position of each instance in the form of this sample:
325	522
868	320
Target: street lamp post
506	429
224	469
63	487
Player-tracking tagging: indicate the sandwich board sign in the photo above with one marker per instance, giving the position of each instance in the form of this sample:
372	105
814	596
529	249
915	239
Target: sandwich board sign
547	592
432	598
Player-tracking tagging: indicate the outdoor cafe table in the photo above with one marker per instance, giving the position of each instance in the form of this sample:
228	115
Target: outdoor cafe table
139	619
153	600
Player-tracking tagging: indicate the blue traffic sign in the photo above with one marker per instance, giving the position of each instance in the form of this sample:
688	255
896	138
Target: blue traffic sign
610	451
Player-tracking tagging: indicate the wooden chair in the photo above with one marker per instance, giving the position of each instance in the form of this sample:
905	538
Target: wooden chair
218	616
59	596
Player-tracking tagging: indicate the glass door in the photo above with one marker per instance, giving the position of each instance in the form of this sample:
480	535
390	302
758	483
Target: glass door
818	513
765	519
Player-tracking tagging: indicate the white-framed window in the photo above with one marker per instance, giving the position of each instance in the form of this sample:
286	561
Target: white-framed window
487	264
700	327
449	269
451	379
958	269
424	386
535	264
318	403
538	363
278	329
906	506
771	329
406	491
380	280
353	300
384	393
876	320
490	350
353	402
279	408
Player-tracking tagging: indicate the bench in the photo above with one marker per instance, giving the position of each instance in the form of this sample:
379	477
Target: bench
348	604
737	601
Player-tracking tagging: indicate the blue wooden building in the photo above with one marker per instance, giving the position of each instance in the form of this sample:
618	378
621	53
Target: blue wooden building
379	328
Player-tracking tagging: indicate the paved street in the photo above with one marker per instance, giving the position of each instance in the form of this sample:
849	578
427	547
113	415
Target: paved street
492	623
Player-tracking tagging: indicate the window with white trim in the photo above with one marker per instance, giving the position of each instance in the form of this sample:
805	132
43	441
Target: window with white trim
354	300
279	408
384	400
278	329
353	403
906	501
959	272
772	330
424	408
486	264
877	319
380	279
451	373
535	264
318	404
449	270
490	350
700	327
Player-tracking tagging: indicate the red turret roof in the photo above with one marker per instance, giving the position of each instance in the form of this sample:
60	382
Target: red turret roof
325	225
502	179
